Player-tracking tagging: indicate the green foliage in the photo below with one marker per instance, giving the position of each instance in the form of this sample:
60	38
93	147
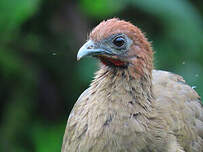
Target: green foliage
40	78
47	138
13	14
101	8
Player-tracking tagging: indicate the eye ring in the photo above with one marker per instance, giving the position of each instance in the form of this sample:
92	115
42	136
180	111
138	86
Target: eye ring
119	41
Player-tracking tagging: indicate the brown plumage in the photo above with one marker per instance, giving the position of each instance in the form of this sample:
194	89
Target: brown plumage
129	107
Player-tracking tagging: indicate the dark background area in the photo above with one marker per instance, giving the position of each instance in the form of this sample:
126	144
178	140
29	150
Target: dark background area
40	79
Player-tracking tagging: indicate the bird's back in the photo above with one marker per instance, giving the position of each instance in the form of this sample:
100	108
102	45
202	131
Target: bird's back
181	107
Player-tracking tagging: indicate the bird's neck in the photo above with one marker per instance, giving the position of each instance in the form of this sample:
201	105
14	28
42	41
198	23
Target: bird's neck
109	80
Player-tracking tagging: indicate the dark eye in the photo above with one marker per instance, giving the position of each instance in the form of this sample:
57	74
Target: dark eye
119	41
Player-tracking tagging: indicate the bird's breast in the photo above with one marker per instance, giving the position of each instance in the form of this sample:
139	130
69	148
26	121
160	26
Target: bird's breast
108	118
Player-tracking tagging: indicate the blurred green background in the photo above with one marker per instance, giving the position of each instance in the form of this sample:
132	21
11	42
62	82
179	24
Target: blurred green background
40	79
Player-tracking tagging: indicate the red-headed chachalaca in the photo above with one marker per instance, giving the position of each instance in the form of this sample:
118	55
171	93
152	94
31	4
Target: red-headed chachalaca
129	107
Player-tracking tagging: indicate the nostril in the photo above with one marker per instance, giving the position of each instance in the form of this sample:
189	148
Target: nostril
90	47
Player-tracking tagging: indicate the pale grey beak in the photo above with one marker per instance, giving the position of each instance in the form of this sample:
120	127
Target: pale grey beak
91	48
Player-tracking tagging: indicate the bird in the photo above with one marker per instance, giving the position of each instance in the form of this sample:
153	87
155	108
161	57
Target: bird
130	106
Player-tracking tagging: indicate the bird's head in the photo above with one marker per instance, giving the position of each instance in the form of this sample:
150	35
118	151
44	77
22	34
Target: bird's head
119	44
